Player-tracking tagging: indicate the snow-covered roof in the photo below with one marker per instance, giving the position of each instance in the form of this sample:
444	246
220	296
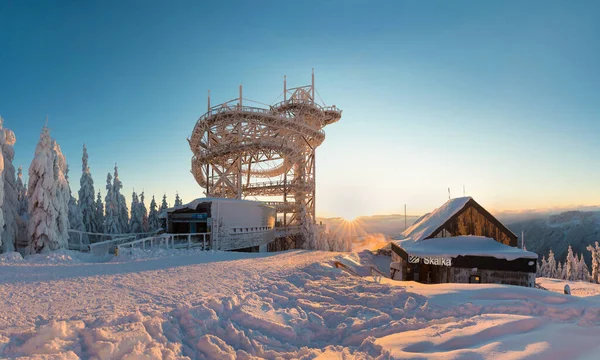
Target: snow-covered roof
428	223
193	205
464	246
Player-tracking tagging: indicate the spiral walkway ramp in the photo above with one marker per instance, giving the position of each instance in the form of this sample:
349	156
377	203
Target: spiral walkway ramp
266	152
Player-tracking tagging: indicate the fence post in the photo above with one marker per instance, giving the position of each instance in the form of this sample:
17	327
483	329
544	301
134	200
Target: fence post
80	242
189	241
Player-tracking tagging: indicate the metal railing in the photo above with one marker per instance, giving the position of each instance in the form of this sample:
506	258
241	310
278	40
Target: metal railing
169	241
85	241
287	230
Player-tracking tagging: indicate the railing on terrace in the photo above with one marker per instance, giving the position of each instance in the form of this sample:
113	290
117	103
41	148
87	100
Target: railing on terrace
169	241
287	230
81	240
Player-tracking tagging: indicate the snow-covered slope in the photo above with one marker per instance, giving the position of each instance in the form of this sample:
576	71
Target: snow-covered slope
286	305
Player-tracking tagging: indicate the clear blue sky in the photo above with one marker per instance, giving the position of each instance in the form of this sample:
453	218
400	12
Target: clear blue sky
501	96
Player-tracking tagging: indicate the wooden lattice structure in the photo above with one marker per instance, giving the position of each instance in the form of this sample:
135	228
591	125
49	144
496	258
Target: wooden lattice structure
245	151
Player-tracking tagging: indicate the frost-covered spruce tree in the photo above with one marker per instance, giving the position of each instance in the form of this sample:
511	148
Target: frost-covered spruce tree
75	216
123	212
551	265
42	233
111	220
538	269
87	203
63	195
571	265
153	223
544	267
144	213
595	261
307	230
11	204
559	270
178	201
163	207
21	193
584	272
135	224
99	217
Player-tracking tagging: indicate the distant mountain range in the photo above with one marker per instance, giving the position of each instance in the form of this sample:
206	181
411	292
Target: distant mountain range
576	228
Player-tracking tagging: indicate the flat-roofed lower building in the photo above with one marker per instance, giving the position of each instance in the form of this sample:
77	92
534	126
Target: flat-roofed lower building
231	224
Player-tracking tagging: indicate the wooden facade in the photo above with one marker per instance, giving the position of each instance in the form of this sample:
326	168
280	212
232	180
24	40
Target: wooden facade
473	219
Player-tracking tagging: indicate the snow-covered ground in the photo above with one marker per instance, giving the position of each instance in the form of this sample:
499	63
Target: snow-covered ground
294	304
578	288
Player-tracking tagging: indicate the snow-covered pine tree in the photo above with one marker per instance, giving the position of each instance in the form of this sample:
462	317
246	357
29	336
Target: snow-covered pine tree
153	223
559	270
538	269
11	204
123	212
87	203
307	230
75	216
42	226
21	193
571	265
584	273
595	261
178	201
135	224
563	275
544	267
63	195
163	207
578	269
551	265
111	220
99	217
144	213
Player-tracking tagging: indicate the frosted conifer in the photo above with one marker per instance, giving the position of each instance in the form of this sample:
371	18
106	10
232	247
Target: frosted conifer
559	270
87	204
135	225
595	261
123	212
99	217
63	195
75	216
544	267
163	206
143	213
178	201
571	265
551	265
42	228
153	223
11	204
111	220
21	193
584	273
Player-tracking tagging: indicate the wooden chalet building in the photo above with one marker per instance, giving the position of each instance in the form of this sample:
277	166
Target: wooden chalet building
461	242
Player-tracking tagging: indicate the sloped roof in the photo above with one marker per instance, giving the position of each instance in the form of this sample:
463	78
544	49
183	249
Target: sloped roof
428	223
465	246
